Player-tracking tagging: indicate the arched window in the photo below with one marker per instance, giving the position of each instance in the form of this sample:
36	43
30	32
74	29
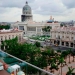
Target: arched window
9	36
1	38
5	37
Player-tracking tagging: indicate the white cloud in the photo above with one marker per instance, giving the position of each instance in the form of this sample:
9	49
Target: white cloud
69	3
61	10
12	15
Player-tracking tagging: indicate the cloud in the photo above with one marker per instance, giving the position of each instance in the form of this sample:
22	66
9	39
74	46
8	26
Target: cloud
11	10
12	15
48	7
69	3
13	3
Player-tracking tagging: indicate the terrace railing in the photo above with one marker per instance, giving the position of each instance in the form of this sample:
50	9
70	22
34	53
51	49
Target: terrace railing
35	70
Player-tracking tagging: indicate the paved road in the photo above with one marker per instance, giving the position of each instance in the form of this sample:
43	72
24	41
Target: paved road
61	48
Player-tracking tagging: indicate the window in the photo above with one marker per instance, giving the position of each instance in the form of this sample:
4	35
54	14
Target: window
1	38
72	38
67	36
12	36
31	28
24	32
5	37
9	37
63	32
55	35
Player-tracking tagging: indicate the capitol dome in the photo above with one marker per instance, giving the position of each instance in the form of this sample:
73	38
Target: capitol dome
26	9
26	13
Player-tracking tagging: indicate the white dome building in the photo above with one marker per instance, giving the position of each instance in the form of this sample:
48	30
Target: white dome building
31	27
26	13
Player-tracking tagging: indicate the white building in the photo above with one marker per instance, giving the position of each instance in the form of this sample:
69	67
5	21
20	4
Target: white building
63	36
10	34
29	26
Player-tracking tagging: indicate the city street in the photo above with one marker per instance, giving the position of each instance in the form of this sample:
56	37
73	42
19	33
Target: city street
61	48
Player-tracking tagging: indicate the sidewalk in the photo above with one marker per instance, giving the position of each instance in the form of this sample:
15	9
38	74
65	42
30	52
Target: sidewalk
64	68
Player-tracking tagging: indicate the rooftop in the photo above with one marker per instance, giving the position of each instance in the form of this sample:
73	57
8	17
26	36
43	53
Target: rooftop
10	31
70	29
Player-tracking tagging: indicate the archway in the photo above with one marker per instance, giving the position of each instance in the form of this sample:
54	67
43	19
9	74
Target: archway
71	44
54	41
58	42
67	44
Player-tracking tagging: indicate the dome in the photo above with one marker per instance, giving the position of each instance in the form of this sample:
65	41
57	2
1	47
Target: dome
26	7
50	21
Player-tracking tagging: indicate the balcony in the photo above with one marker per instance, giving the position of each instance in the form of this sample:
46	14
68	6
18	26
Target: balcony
25	67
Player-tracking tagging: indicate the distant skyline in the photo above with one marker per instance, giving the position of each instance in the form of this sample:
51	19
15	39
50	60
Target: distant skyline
61	10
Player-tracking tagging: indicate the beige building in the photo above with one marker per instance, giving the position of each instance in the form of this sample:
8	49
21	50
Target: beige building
31	27
63	36
10	34
34	28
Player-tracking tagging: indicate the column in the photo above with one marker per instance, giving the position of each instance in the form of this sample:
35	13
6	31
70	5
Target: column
60	42
36	30
69	44
64	43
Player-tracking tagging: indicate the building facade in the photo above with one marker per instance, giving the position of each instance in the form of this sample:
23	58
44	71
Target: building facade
10	34
63	36
34	28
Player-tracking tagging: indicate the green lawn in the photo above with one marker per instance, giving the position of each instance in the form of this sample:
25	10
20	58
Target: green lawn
41	38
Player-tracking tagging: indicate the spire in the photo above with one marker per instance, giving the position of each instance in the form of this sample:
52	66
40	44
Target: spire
26	2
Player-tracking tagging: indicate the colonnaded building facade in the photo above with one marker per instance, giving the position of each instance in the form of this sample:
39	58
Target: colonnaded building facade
63	36
29	26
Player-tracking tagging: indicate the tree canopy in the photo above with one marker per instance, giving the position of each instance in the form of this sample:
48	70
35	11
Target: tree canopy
4	27
47	28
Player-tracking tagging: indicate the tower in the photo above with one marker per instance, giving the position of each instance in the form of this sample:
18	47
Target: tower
26	13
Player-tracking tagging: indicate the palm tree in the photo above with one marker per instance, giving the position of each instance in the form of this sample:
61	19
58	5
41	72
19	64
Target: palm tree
61	61
73	54
70	70
64	54
69	53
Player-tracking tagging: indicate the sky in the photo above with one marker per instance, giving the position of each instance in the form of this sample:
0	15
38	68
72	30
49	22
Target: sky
60	10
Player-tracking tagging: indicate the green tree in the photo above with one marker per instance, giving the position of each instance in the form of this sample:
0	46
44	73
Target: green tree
37	44
73	54
69	53
61	61
70	70
47	28
4	26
